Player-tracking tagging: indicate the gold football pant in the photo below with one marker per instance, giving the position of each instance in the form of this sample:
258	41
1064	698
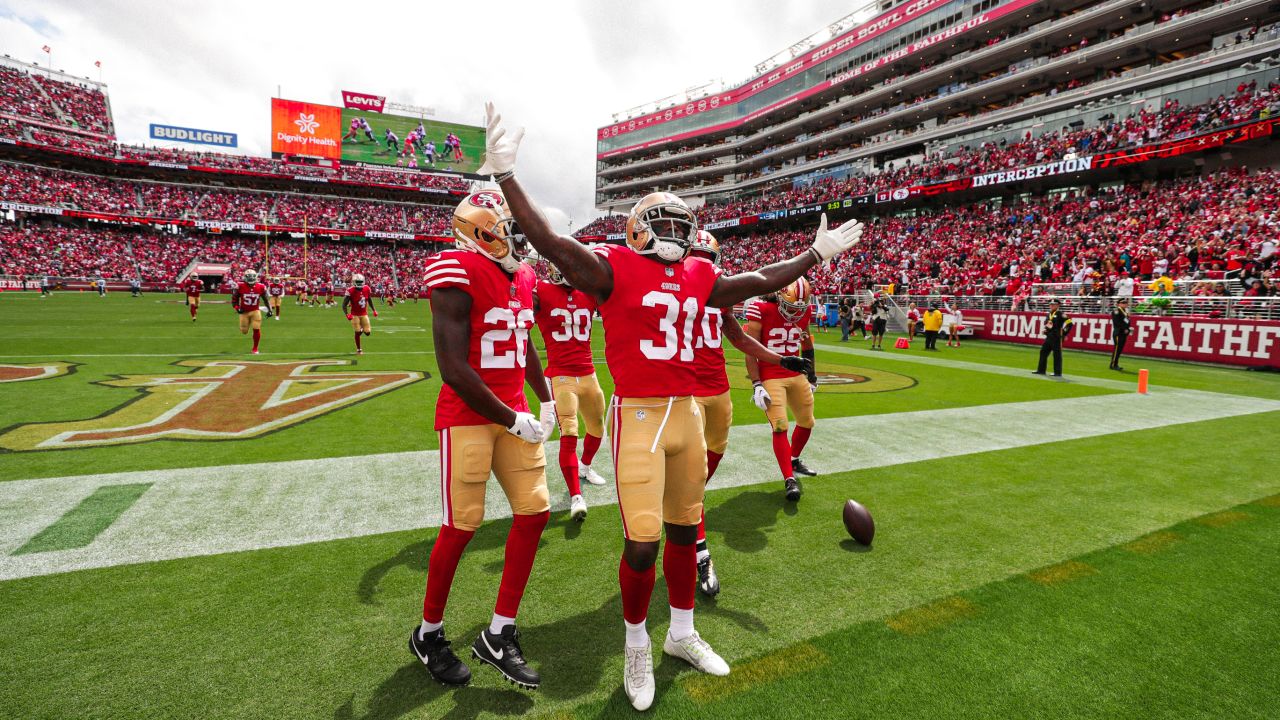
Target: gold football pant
717	416
578	394
250	320
660	462
467	455
793	393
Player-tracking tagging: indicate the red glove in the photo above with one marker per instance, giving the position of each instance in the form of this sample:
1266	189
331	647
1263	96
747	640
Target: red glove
348	316
375	313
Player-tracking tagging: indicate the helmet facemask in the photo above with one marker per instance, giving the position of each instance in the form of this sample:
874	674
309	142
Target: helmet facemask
670	229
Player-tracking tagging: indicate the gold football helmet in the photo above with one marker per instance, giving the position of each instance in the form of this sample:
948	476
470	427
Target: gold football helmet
483	224
251	276
793	300
707	245
662	224
554	274
357	280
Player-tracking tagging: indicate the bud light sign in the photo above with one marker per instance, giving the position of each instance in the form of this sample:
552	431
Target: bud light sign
192	135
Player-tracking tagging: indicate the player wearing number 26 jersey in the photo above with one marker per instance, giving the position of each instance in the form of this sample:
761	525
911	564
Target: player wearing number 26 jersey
564	318
482	306
652	297
781	322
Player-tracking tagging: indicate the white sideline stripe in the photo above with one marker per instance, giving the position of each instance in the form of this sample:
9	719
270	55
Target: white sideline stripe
220	354
204	511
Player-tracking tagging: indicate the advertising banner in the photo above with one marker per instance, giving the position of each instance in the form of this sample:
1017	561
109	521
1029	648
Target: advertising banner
379	138
1215	340
363	101
193	135
302	128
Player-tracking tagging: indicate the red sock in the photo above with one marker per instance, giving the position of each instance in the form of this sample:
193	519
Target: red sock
357	339
702	528
445	555
569	463
257	335
637	588
522	546
680	569
782	451
590	444
799	439
713	462
193	310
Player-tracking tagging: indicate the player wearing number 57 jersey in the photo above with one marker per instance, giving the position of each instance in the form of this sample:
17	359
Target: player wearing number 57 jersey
781	322
652	297
564	317
246	298
482	308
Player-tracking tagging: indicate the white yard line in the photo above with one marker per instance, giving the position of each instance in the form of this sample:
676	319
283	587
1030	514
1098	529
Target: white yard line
203	511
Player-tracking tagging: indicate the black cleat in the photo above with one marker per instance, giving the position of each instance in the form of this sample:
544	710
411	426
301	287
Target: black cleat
801	469
434	652
708	583
793	489
1037	372
503	652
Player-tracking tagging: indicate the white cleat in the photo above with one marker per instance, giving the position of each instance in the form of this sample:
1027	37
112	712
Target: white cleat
587	475
637	676
695	651
577	508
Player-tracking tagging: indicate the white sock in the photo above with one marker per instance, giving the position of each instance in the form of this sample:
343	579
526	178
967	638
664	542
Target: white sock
637	634
428	627
498	622
703	555
681	623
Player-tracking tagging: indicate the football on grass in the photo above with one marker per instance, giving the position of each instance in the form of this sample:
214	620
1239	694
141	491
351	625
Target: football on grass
858	522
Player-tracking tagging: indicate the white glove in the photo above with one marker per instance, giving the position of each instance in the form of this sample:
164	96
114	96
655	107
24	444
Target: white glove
527	428
760	397
499	150
830	243
547	417
813	389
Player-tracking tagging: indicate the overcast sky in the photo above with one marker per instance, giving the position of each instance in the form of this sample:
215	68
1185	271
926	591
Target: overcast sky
559	68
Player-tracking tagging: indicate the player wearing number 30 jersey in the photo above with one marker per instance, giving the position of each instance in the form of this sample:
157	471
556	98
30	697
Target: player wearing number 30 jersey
564	317
781	322
482	306
652	297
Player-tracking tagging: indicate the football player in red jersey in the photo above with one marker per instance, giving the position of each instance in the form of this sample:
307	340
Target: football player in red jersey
651	296
781	322
564	318
357	303
193	287
712	392
481	298
275	296
246	298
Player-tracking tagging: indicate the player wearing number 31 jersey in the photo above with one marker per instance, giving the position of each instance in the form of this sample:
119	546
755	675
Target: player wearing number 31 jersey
482	306
652	297
564	317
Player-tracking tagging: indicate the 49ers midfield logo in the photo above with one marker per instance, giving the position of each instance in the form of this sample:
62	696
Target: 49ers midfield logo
220	400
38	371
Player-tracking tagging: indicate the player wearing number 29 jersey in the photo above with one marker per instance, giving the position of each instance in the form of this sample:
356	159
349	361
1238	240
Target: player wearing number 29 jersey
482	306
652	296
564	316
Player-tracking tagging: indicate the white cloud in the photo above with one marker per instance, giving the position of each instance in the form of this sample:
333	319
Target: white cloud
559	68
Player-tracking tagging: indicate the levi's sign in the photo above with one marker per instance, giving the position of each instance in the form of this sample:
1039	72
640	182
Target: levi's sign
363	101
193	135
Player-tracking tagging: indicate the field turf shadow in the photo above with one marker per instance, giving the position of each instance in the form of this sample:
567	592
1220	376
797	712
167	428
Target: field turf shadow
411	687
744	519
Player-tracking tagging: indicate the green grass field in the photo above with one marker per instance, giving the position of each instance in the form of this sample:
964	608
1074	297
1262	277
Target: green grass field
361	150
1044	549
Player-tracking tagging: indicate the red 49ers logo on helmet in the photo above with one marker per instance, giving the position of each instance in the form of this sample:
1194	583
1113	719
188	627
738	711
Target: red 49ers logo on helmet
487	199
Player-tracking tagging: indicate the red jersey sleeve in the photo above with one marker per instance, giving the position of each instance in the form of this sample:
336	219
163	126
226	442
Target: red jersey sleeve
445	271
752	311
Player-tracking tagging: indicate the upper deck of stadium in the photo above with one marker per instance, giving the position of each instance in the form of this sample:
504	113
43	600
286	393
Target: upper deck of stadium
903	81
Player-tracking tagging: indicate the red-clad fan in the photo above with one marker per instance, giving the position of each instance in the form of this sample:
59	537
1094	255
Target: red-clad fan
247	299
482	308
564	316
357	302
193	288
781	322
651	296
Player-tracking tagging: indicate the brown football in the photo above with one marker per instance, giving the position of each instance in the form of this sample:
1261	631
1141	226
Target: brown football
858	522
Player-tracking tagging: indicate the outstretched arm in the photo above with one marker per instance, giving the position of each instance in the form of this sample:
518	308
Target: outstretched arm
747	344
730	290
582	268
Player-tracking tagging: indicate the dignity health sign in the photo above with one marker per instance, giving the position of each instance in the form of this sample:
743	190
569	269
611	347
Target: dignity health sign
303	128
193	135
